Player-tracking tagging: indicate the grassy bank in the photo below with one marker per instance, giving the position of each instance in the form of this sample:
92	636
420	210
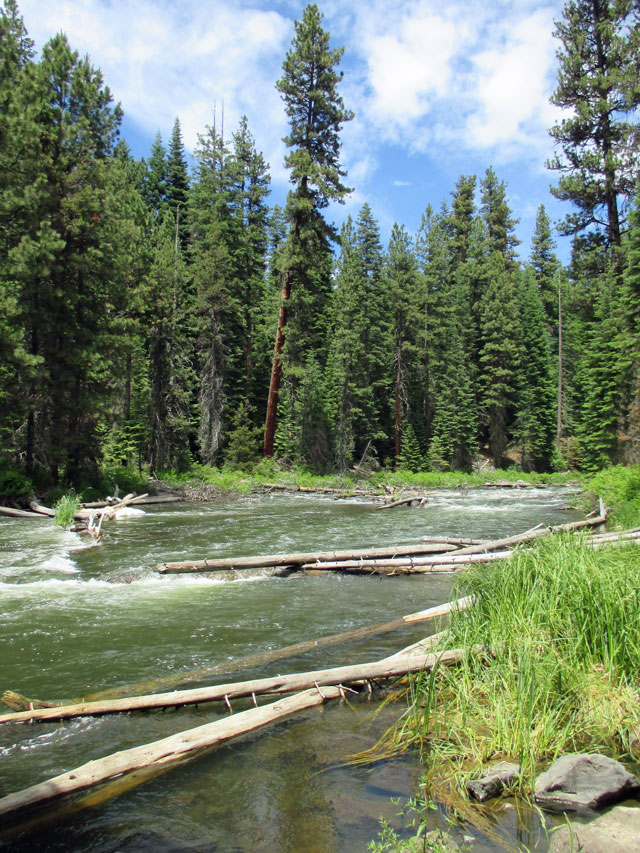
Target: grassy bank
560	626
268	471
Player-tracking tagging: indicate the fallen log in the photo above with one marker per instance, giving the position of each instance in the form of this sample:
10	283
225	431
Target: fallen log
18	702
141	499
577	525
263	562
20	513
160	752
407	564
391	667
262	658
450	540
291	487
183	744
110	510
403	501
41	510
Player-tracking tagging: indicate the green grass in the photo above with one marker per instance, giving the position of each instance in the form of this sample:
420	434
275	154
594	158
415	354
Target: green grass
560	626
268	471
619	488
66	509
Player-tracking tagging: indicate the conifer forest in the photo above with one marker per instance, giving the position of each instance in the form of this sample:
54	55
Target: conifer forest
156	313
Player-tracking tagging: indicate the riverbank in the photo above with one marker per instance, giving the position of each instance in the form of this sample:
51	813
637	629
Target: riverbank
561	672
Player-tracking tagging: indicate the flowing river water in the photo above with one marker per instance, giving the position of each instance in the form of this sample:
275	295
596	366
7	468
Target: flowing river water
78	617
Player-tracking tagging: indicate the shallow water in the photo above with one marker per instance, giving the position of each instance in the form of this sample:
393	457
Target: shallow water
78	617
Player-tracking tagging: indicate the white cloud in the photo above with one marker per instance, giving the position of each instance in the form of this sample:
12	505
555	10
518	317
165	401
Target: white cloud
465	76
512	84
165	60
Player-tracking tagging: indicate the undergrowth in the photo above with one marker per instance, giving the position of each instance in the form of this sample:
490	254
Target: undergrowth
558	628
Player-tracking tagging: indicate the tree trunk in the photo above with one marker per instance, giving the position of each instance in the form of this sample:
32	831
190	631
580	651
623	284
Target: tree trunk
398	418
276	368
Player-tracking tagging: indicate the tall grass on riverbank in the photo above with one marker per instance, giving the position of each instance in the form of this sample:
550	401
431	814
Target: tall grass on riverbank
561	626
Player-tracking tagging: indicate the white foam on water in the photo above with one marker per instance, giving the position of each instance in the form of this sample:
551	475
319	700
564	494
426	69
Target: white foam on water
60	563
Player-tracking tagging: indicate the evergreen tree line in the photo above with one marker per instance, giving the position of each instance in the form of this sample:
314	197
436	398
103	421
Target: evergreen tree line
140	300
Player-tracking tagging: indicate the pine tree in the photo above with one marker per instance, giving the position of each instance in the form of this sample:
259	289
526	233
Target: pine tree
177	184
631	305
403	297
545	266
603	387
534	428
309	88
499	360
171	378
446	250
228	215
62	261
359	353
497	216
598	79
155	180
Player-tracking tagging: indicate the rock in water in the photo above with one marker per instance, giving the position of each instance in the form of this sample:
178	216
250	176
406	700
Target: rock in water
496	779
583	782
617	831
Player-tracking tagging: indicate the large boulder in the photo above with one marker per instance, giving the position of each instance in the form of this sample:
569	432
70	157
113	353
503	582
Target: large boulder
576	782
617	831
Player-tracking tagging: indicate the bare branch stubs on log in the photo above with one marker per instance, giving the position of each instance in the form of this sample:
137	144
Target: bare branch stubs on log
191	741
402	663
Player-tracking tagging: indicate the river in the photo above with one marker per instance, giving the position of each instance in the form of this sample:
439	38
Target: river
78	617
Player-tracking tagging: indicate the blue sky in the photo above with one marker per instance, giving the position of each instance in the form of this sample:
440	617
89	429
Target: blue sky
438	89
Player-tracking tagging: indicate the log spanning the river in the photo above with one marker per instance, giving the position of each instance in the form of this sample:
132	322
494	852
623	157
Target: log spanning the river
412	660
269	560
321	557
191	741
17	702
407	565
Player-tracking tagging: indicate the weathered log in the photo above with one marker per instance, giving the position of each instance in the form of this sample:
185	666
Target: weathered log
194	740
403	501
451	540
286	487
41	510
18	702
111	510
262	658
266	561
20	513
395	665
407	564
577	525
161	752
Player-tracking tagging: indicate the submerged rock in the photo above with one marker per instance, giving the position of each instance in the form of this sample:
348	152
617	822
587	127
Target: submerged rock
583	782
617	831
496	779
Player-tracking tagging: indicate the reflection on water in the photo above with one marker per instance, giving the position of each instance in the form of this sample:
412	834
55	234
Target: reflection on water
76	617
